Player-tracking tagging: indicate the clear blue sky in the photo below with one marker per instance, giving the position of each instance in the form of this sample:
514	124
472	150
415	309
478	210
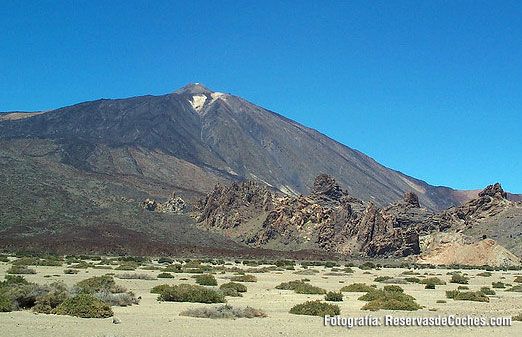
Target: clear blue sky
430	88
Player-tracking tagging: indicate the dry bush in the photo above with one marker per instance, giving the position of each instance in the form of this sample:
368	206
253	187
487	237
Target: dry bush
224	311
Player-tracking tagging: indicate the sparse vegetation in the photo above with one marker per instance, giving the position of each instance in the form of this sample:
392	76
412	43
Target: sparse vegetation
244	278
333	296
301	287
71	271
85	306
476	296
315	308
382	278
459	278
240	288
487	291
389	299
498	285
357	287
206	280
517	317
518	279
165	275
95	284
190	293
224	312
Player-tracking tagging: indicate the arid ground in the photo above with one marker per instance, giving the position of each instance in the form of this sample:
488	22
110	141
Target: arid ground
154	318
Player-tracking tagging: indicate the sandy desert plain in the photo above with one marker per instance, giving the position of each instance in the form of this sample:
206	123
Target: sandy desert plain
162	318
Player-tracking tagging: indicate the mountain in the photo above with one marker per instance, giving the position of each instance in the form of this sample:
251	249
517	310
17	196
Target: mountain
83	170
194	138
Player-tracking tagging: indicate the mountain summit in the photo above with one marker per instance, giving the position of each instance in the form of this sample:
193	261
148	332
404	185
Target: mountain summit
193	89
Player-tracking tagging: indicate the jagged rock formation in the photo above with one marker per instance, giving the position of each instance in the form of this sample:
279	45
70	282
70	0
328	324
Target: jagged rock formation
227	207
330	219
490	215
483	253
175	205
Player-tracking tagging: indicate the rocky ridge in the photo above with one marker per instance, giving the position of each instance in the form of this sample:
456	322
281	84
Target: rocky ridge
330	219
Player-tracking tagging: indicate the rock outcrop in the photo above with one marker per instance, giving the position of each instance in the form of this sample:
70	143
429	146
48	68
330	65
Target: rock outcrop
330	219
175	205
228	207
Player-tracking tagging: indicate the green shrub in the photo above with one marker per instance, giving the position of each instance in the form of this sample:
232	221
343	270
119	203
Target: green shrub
301	287
410	272
389	300
20	270
476	296
334	296
393	288
6	303
241	288
391	304
244	278
165	275
382	278
190	293
357	287
85	306
462	288
224	311
206	280
487	291
435	281
159	289
315	308
459	278
71	271
412	279
173	268
441	301
4	258
367	266
12	280
291	285
96	283
499	285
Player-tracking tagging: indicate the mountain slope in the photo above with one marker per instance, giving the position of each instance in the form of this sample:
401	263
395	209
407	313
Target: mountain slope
195	138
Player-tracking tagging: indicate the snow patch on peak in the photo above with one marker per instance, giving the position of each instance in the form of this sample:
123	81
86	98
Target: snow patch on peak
198	101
